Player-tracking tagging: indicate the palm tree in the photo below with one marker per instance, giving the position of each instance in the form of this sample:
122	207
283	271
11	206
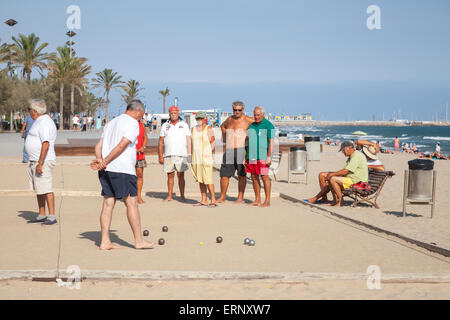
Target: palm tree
59	72
78	71
94	103
164	93
107	79
132	90
27	53
4	55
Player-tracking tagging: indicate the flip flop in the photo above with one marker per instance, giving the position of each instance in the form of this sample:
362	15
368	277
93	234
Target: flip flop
306	200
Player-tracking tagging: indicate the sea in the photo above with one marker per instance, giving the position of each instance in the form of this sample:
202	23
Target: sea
424	137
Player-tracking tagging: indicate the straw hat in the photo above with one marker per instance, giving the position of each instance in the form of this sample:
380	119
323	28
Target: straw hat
370	152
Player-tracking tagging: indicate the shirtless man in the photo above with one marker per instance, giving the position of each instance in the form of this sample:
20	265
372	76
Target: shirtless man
234	133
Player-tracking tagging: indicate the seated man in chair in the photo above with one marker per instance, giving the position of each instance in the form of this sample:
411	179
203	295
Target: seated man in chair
355	171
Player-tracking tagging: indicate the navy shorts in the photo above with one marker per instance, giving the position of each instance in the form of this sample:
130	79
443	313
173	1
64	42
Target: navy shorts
117	185
233	160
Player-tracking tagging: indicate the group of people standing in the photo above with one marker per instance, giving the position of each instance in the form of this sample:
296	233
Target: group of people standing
120	160
248	149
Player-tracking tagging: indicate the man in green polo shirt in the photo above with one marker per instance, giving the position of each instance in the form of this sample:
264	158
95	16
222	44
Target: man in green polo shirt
260	142
355	170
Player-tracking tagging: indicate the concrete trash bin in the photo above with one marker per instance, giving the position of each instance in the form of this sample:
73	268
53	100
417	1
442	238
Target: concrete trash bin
420	184
313	148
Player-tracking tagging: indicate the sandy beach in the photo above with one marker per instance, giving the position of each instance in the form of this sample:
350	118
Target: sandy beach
301	252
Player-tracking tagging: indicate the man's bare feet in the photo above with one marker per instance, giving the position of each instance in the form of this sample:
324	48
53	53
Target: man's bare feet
335	204
265	205
109	246
220	200
239	201
312	200
140	201
199	204
144	245
182	199
255	203
212	205
167	199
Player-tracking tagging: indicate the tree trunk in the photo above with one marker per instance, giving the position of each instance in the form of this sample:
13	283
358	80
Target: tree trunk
107	105
11	122
72	102
164	104
61	107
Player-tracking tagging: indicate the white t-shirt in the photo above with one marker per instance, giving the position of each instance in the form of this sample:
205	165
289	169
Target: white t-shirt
175	143
123	126
438	148
43	129
75	120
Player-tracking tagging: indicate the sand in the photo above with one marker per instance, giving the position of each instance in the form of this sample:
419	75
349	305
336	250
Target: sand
292	239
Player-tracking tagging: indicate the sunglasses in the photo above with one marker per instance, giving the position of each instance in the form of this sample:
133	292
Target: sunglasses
237	110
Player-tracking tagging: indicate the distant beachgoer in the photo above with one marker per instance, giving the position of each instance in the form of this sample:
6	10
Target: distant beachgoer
203	143
27	123
259	157
173	149
40	146
438	148
155	123
414	148
141	163
328	141
234	133
75	122
98	123
396	144
116	164
355	171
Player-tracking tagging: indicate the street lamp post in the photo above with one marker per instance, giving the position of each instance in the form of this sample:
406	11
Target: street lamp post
71	34
11	23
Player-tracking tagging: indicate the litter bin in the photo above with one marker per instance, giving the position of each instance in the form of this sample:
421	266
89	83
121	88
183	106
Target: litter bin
313	148
298	163
420	180
297	159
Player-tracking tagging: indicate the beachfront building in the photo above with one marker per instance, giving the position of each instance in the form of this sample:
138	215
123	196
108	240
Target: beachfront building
212	116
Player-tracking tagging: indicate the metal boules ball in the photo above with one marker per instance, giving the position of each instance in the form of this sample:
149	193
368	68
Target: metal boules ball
146	233
246	241
161	242
252	243
165	229
219	239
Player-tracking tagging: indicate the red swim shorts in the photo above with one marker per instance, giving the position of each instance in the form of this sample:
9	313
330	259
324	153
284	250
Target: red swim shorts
258	167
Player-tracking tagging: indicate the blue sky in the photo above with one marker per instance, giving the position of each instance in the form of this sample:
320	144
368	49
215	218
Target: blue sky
289	56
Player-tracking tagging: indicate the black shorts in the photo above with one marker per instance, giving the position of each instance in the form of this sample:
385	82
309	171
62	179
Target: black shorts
117	185
233	159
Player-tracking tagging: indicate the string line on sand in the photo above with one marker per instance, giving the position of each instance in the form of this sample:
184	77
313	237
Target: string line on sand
59	224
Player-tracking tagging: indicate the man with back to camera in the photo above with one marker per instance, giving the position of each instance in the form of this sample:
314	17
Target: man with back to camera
116	160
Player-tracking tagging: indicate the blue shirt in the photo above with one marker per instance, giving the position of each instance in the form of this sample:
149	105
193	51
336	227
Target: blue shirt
29	121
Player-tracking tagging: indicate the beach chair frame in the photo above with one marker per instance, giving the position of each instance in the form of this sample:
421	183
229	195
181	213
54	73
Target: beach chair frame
377	179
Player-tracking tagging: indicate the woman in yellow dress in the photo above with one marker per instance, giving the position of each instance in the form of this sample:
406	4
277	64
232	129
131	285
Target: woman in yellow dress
203	143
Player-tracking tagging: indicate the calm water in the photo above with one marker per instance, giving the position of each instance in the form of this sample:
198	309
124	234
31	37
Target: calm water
425	138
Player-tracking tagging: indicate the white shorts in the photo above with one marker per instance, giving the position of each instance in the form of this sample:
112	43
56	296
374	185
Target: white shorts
175	163
41	184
